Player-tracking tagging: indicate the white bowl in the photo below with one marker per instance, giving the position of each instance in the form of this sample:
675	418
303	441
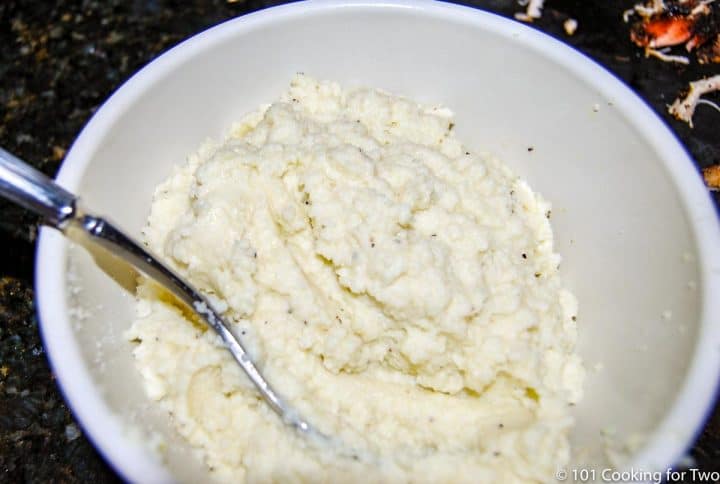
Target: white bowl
632	218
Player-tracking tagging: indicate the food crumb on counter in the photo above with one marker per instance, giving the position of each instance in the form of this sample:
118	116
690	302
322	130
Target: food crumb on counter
684	107
663	56
711	175
532	11
693	24
570	26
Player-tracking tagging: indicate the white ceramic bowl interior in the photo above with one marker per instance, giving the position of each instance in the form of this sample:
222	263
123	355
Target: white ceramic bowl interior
632	220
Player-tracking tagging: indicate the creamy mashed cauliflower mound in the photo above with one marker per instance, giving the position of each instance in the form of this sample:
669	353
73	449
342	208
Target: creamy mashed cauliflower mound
397	289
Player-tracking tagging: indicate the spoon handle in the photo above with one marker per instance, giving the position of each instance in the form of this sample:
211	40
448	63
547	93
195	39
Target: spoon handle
24	185
31	189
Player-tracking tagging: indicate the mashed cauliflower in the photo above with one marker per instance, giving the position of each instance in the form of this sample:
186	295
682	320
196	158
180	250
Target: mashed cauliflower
400	291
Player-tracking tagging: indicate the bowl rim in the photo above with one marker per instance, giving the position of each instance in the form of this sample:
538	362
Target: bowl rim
680	425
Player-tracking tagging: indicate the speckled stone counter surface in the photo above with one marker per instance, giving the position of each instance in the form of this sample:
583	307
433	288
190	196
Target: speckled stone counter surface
59	59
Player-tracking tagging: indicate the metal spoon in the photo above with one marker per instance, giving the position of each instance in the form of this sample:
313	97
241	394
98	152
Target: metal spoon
58	208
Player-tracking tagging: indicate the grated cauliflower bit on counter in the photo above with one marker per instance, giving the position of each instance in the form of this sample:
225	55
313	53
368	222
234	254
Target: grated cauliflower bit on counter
570	25
533	10
399	291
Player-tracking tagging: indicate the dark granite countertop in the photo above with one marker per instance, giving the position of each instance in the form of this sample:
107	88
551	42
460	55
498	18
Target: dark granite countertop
59	59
